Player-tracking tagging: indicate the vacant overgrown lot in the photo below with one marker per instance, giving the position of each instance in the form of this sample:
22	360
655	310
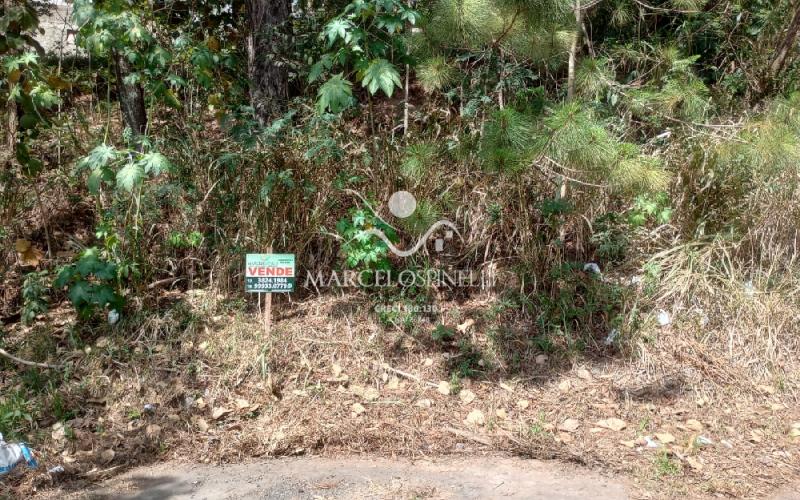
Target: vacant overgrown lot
626	172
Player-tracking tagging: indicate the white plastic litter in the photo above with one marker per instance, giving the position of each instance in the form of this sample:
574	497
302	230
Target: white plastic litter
113	317
612	336
591	267
651	443
664	318
12	454
58	469
703	441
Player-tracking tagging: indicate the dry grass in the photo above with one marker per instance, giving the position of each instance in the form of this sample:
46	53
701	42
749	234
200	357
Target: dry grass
331	379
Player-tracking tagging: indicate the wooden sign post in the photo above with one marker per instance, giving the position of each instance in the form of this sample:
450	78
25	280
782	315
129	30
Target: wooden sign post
268	273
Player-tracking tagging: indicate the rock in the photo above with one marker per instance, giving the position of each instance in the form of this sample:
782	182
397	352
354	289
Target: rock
220	412
107	455
358	409
443	388
569	425
466	396
694	425
665	437
475	417
614	424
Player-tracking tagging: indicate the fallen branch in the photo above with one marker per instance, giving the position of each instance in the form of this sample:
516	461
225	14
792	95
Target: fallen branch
405	374
10	356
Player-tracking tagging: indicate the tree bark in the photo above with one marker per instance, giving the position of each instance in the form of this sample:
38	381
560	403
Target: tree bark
573	51
131	97
11	112
269	80
788	43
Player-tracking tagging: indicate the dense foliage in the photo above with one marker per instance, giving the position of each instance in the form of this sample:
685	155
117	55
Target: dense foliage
555	133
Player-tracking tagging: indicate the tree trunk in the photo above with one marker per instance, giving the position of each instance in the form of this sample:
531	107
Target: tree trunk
11	111
269	80
11	126
131	97
573	51
786	46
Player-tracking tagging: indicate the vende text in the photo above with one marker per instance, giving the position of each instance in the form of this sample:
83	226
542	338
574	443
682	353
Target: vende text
270	271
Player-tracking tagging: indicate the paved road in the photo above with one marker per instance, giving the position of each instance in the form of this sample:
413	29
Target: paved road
315	478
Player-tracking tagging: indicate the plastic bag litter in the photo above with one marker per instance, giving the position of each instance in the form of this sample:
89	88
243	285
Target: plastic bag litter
591	267
12	454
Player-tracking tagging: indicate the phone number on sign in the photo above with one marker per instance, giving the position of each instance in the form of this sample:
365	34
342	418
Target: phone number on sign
271	286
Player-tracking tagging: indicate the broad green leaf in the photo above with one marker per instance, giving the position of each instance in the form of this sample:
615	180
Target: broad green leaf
94	181
338	28
335	95
381	74
64	276
99	157
80	293
325	62
390	23
130	176
154	163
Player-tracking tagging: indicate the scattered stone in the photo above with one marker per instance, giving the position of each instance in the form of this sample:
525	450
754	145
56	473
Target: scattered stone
694	425
614	424
694	463
475	417
665	437
569	425
466	396
358	409
107	455
443	388
218	413
463	327
523	404
201	424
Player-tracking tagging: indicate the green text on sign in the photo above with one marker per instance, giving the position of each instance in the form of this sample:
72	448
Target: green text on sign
269	272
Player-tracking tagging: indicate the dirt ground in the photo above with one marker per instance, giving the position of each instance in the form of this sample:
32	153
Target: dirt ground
347	477
330	382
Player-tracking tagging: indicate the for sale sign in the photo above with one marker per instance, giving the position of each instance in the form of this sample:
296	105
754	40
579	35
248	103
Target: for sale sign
269	272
